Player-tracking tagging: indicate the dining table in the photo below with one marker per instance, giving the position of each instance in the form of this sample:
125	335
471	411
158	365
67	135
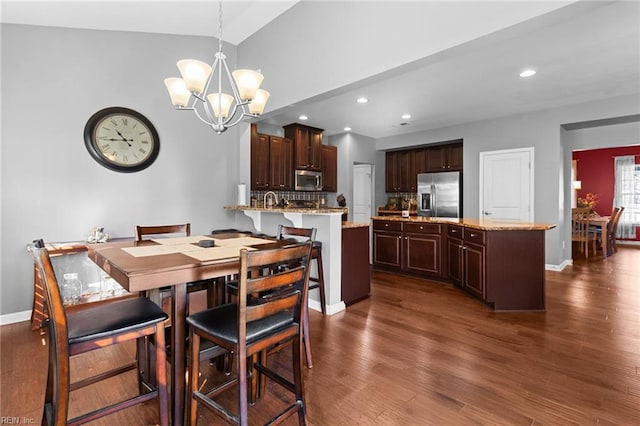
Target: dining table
602	222
149	265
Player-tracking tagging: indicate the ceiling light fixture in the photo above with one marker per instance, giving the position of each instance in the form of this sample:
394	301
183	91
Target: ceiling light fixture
347	129
303	117
218	109
362	100
527	73
406	116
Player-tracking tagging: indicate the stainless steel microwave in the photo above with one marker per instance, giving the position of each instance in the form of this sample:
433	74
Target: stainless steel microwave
306	180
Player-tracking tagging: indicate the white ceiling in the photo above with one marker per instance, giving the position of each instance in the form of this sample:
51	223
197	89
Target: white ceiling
582	52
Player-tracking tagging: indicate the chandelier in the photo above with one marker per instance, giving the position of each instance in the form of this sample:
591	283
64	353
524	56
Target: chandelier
217	109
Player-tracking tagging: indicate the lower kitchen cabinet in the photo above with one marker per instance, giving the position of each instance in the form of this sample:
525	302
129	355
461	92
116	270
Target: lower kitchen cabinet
356	274
503	267
408	247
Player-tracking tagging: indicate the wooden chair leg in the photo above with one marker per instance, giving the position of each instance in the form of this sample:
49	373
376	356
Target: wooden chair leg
161	375
191	408
297	380
323	303
306	335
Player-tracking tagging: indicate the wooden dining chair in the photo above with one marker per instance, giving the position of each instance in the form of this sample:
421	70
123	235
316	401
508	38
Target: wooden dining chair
581	231
611	235
90	327
248	329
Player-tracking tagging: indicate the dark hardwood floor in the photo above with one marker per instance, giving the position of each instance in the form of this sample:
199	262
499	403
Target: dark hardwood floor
420	352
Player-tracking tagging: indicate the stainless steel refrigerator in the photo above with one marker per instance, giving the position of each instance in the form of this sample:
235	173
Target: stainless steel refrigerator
440	194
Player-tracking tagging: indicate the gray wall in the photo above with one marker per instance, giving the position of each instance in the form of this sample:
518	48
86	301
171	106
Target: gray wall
352	149
541	130
53	80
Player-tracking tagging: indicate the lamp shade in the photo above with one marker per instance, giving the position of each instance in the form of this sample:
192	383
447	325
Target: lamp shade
248	83
577	185
177	91
195	74
256	106
221	104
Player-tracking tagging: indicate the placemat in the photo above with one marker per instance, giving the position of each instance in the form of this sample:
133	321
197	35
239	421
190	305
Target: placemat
216	253
158	249
241	241
181	240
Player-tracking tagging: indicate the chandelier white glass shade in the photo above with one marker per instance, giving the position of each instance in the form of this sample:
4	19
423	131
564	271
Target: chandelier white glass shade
217	109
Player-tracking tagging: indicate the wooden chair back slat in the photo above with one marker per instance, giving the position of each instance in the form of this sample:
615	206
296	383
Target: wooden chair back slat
142	231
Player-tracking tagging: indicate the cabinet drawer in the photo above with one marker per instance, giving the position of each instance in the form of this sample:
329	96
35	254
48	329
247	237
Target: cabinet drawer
384	225
454	231
422	228
474	236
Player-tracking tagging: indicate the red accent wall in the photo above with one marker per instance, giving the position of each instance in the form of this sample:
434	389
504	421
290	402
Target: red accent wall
595	169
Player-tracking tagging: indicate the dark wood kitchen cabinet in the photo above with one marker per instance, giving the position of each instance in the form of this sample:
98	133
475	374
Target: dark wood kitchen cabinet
387	244
271	162
307	143
281	163
260	171
329	168
400	171
408	247
466	259
422	248
356	274
445	158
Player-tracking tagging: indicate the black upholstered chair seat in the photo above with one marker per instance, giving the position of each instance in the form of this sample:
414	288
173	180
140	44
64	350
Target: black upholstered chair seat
112	319
222	323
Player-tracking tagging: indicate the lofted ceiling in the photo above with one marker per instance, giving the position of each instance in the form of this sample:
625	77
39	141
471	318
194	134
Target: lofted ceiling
580	54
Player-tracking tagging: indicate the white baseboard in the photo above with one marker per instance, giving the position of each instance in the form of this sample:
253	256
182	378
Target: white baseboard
559	267
627	243
331	309
15	317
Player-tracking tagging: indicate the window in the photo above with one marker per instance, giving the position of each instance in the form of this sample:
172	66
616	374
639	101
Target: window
627	195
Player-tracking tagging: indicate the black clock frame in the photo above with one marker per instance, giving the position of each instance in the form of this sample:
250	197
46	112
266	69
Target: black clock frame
94	151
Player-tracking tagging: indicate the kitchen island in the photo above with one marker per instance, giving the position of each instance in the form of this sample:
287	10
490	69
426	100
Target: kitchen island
500	262
328	222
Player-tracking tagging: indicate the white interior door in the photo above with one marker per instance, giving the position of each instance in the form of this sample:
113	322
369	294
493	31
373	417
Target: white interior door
506	184
362	193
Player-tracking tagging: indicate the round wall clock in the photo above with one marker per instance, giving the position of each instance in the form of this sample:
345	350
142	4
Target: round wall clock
121	139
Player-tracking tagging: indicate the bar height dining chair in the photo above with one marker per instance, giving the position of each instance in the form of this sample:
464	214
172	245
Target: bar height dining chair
248	329
89	328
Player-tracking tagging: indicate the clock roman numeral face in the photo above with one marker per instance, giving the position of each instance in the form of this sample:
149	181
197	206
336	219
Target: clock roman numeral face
123	140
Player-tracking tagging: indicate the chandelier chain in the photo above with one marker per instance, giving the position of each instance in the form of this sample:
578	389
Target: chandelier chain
220	26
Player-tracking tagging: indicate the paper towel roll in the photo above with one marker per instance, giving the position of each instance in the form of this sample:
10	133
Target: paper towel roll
242	194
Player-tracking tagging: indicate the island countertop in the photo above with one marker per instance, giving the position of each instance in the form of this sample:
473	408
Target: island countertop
320	210
482	224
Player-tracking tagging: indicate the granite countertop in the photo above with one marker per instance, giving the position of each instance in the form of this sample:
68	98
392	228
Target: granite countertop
320	210
482	224
349	224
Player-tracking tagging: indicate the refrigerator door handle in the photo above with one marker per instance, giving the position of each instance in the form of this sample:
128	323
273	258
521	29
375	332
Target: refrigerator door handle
434	201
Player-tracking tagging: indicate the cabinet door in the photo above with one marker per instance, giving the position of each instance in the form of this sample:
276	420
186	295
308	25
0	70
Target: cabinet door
455	260
407	171
392	171
422	253
300	136
474	269
315	149
421	160
260	161
437	159
281	171
387	249
454	157
329	168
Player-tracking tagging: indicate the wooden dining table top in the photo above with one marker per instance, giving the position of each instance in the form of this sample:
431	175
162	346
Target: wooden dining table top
150	271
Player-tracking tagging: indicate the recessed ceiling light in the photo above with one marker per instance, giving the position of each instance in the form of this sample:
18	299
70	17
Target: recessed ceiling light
406	116
527	73
303	117
347	129
362	100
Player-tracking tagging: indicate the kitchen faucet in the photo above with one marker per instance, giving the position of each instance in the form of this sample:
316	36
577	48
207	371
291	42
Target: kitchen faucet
275	199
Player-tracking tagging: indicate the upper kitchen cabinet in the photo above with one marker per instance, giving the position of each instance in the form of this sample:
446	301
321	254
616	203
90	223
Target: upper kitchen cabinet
260	171
400	174
271	162
329	168
281	163
307	143
445	158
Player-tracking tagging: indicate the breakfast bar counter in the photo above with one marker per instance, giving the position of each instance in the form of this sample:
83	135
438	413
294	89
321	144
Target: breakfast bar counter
328	224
